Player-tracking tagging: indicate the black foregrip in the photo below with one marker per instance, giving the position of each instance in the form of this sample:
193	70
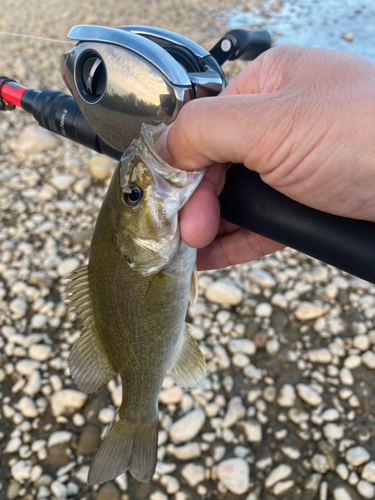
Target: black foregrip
348	244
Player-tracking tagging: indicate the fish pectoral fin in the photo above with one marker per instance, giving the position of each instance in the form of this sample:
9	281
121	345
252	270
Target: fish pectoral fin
188	366
193	295
128	446
89	363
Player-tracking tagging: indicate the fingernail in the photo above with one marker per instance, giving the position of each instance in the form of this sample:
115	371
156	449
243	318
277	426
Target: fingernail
161	146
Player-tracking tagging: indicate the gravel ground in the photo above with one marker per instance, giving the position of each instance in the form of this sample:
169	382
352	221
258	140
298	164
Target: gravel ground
287	409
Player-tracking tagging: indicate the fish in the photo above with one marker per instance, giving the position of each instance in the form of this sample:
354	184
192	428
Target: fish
132	298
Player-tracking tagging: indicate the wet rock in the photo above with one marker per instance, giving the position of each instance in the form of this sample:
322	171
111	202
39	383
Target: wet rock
187	427
35	139
194	474
67	401
234	473
89	440
108	491
278	474
357	456
224	292
307	310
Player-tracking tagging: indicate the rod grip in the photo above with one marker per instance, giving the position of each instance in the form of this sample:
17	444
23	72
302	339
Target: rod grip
348	244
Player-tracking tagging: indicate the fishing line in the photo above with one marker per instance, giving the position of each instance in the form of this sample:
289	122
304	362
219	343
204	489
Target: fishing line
36	37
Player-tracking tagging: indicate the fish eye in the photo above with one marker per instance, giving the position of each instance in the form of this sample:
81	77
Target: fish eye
132	195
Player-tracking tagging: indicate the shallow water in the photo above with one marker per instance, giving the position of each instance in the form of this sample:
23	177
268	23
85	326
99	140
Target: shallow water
316	23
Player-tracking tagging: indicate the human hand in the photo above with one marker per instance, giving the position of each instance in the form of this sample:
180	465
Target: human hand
304	119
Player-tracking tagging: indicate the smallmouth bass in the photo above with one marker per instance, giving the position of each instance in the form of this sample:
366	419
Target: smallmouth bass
132	298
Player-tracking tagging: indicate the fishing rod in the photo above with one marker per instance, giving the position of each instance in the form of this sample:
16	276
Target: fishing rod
122	77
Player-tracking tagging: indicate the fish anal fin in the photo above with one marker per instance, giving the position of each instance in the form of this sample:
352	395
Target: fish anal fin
89	363
128	446
188	366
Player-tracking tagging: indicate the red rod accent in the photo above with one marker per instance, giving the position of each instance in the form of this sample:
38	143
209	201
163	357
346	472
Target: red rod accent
12	93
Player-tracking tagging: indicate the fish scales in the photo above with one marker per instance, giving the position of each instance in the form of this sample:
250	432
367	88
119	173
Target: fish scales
132	298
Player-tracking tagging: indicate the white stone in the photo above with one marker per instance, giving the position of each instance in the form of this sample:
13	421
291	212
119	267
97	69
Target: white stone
40	352
287	396
272	346
361	342
357	456
172	395
122	481
59	437
282	487
187	451
330	415
59	490
21	470
368	359
342	471
278	474
27	407
38	321
67	266
352	361
333	431
308	394
262	278
82	474
253	431
62	181
18	307
106	415
319	356
279	300
245	346
368	472
319	463
194	474
240	360
307	310
365	489
221	356
341	493
36	473
158	495
27	366
337	349
224	292
234	473
34	384
263	310
187	427
13	445
67	402
235	412
170	483
100	167
252	372
346	376
36	139
290	452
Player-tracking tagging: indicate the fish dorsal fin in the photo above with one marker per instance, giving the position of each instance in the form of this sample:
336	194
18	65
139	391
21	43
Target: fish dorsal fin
88	362
193	295
188	366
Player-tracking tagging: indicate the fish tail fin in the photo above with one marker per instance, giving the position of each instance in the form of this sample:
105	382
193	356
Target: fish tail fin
127	446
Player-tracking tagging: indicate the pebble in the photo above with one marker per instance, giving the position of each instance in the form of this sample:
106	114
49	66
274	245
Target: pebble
27	366
38	321
12	490
352	361
106	415
101	167
67	401
194	474
187	451
342	471
234	473
63	181
282	487
365	489
307	310
308	394
262	278
346	376
245	346
235	412
253	431
82	474
278	474
21	470
319	356
263	310
34	384
224	292
26	406
59	490
287	396
349	37
187	427
320	463
35	139
333	431
368	359
341	493
67	266
272	346
357	456
18	307
40	352
361	342
368	472
59	437
108	491
158	495
13	445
